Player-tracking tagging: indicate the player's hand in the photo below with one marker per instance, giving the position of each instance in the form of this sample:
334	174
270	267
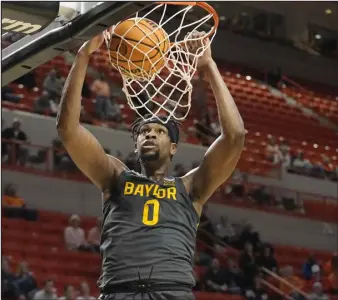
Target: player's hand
195	45
92	45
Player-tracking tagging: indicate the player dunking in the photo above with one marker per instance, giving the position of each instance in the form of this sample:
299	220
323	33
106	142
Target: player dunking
150	219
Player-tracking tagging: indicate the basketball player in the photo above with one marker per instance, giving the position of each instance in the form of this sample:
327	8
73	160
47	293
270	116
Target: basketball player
150	219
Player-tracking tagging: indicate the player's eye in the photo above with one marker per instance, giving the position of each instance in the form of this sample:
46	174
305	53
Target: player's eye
161	131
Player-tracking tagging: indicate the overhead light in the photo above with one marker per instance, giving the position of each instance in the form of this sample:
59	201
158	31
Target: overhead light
318	36
248	77
328	11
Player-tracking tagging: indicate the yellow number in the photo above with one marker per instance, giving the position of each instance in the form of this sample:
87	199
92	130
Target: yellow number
147	220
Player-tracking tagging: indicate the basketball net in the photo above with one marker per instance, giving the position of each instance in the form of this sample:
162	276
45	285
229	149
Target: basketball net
167	93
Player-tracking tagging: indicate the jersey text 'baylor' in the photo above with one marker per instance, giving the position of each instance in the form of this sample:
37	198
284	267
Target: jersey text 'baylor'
148	226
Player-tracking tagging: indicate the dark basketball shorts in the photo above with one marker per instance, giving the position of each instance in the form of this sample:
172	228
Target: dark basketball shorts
158	295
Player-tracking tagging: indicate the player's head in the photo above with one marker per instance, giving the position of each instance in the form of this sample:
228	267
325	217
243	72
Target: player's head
155	140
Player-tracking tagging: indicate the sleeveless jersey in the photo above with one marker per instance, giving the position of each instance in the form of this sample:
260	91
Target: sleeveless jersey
149	230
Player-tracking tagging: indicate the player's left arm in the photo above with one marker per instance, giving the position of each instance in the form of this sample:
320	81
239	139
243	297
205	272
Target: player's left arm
222	156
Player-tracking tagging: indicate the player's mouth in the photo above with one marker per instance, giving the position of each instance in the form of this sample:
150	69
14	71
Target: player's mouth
148	145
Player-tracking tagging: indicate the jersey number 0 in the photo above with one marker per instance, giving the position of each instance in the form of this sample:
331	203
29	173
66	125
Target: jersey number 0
151	219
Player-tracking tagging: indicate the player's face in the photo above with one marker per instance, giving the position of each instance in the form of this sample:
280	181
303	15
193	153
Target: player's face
153	143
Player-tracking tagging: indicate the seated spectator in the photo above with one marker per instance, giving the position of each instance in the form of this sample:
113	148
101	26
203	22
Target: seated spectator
224	230
300	164
74	235
287	274
7	94
284	157
25	279
333	277
53	84
240	186
203	130
12	148
47	293
69	293
44	104
85	292
272	150
106	108
257	292
317	292
28	80
248	265
9	288
10	197
307	267
220	280
267	260
61	159
94	236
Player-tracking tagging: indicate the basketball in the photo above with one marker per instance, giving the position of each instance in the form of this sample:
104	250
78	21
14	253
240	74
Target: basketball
138	47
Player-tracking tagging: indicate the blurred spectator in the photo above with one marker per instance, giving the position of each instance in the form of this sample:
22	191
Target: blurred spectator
85	292
267	259
9	288
25	279
44	104
14	151
240	186
247	263
287	274
300	164
248	235
260	195
47	293
333	277
7	94
257	292
317	292
74	235
106	107
53	84
10	197
307	267
69	293
272	150
284	155
94	235
224	230
61	159
220	280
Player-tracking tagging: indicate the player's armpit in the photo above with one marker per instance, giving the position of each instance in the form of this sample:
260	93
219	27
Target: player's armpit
218	164
90	158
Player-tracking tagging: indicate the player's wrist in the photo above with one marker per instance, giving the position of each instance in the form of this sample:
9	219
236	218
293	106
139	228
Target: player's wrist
207	65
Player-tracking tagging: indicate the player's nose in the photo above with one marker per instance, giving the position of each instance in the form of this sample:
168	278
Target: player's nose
151	135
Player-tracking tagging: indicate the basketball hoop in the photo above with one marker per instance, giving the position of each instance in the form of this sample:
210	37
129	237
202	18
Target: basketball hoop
160	82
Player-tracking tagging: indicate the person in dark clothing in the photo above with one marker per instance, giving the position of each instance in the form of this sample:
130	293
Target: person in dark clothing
25	279
9	288
248	265
14	151
221	280
266	259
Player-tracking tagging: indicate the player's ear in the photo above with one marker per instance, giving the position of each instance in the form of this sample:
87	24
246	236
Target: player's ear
173	149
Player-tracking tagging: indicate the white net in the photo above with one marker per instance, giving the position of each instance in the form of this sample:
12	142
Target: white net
160	85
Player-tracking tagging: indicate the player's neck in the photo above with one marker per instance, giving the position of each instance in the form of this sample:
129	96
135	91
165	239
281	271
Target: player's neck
155	172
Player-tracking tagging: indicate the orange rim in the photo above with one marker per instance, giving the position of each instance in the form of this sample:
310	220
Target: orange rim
203	5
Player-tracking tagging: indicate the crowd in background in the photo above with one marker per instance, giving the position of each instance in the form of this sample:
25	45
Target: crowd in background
224	274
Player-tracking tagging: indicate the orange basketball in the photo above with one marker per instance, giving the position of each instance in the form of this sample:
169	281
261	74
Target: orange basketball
138	47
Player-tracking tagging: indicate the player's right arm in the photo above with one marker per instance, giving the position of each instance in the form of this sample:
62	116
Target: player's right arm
82	146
